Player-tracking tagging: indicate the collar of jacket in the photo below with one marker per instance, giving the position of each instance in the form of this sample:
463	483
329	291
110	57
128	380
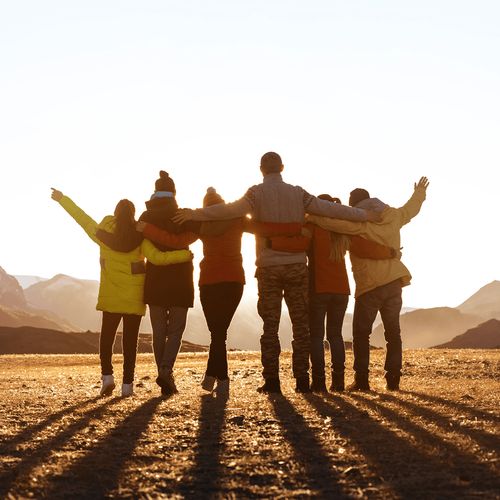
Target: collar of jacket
274	177
159	203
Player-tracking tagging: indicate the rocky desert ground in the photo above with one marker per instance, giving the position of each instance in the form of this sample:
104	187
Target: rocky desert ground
436	438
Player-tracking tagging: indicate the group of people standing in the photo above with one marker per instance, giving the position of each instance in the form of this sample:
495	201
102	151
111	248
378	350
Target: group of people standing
301	241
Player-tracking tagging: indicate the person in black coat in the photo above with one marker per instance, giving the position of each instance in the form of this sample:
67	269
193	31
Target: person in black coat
168	290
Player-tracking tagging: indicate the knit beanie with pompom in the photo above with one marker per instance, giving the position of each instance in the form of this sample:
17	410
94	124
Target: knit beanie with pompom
212	197
165	183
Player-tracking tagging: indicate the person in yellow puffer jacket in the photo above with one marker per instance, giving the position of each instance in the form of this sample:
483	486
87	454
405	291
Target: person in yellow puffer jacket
378	282
121	286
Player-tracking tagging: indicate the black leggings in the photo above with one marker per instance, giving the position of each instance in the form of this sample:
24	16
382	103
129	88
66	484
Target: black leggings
110	322
219	302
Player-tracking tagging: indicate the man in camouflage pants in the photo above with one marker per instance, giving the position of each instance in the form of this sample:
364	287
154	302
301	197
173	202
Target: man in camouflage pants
279	274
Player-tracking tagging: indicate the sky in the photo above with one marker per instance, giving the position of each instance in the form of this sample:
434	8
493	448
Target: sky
97	96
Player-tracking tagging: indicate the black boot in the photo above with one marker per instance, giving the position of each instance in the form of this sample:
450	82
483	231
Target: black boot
302	384
360	383
271	385
338	384
392	382
318	384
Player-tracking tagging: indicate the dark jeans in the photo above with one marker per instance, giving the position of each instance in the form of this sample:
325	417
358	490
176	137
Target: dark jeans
219	302
110	322
168	325
386	299
333	307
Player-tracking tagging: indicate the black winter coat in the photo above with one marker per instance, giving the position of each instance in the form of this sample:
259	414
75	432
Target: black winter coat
172	285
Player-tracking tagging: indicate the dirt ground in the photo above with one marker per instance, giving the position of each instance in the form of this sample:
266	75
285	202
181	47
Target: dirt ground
437	438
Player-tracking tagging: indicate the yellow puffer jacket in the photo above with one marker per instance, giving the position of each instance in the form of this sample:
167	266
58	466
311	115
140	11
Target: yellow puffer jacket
370	273
121	287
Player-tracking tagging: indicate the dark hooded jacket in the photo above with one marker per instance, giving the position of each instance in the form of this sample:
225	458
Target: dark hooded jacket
167	286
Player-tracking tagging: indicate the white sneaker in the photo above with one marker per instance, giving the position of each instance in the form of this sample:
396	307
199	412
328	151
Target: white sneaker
208	383
127	390
108	385
222	389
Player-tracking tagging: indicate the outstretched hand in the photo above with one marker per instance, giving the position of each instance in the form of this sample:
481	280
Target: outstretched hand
56	194
183	215
422	183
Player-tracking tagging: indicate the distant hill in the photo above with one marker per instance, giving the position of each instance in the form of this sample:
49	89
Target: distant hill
485	302
11	292
70	298
75	299
26	280
423	328
484	336
40	319
30	340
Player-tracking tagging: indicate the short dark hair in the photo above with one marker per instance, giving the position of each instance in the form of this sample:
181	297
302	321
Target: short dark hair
271	163
357	195
329	198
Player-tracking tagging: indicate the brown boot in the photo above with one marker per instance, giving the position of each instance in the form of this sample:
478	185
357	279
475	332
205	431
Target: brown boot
360	383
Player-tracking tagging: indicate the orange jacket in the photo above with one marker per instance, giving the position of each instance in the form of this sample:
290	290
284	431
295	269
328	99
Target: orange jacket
326	275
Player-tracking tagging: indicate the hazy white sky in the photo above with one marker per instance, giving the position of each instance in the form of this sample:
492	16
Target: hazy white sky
97	96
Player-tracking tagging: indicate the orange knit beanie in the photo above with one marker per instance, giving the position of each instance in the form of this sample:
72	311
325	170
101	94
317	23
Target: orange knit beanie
212	197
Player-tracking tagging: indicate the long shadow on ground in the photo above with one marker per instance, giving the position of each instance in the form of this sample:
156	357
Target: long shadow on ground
28	433
485	439
319	475
458	465
41	450
205	474
455	405
404	461
97	473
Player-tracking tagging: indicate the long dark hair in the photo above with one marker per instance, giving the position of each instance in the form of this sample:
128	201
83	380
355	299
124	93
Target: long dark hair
125	221
125	238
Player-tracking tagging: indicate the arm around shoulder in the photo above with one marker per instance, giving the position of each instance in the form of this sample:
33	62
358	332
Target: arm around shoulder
160	258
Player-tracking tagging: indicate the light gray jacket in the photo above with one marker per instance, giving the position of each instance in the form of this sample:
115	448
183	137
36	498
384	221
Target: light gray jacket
277	201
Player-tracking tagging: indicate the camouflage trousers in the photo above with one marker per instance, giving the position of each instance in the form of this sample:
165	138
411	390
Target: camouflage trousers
291	283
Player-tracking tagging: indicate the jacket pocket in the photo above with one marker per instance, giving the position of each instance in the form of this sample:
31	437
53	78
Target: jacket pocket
138	267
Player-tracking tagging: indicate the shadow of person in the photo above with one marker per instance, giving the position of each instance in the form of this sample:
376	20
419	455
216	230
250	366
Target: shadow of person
455	405
320	476
399	452
204	476
487	440
468	468
39	450
97	473
28	433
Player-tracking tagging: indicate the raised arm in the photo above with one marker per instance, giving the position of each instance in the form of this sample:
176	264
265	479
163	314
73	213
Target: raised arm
160	258
414	204
86	222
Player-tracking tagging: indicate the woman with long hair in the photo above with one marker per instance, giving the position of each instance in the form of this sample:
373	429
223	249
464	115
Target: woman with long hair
121	285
